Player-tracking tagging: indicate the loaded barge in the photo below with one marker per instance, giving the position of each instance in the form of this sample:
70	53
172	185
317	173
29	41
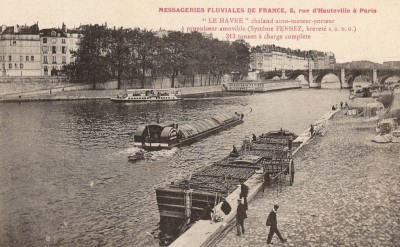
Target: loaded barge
263	86
168	135
182	202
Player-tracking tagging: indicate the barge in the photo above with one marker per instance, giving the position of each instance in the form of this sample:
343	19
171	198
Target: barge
168	135
262	86
182	202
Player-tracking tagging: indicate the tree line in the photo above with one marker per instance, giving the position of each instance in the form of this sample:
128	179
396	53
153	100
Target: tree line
120	53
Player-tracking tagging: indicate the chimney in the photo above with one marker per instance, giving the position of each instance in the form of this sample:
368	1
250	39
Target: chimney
64	28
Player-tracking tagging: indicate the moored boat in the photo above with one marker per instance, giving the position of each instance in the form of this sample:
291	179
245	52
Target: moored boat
168	134
262	86
148	95
182	202
360	92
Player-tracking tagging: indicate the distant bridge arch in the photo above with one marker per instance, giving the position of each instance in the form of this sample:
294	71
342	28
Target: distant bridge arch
322	73
384	75
270	75
346	76
293	75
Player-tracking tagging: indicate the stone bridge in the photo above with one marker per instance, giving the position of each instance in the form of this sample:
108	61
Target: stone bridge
346	77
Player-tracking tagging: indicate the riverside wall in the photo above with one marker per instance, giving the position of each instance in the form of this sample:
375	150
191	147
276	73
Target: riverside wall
107	90
205	233
56	88
85	91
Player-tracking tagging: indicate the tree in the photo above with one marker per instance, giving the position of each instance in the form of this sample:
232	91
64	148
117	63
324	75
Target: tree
222	59
118	52
241	60
174	52
91	64
194	50
144	44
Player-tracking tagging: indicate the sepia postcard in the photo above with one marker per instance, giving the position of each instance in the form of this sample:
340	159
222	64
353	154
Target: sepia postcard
199	123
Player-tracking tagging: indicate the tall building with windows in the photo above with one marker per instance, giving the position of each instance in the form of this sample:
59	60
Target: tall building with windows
28	51
20	50
55	52
74	35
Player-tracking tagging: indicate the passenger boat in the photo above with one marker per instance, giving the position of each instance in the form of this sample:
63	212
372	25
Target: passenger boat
148	95
168	135
182	202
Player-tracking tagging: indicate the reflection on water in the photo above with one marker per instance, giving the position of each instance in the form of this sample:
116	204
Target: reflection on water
65	179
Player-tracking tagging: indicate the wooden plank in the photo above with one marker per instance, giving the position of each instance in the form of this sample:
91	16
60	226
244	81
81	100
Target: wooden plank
240	166
170	205
172	214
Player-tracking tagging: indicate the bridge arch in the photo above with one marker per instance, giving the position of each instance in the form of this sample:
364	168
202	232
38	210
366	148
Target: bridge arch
384	76
319	76
292	75
351	76
270	75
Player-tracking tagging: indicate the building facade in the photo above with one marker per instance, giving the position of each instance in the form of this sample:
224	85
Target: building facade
74	35
20	53
271	57
30	51
55	53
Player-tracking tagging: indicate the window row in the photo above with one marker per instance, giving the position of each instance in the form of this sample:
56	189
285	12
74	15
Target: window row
54	59
62	49
54	70
15	66
53	40
32	59
21	58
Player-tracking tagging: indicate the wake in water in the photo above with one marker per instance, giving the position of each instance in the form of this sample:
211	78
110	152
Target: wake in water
164	153
136	154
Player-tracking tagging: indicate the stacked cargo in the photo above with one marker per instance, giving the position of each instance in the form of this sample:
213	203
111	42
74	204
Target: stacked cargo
183	201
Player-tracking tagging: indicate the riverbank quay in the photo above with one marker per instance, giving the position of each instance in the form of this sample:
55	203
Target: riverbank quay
346	192
207	233
66	93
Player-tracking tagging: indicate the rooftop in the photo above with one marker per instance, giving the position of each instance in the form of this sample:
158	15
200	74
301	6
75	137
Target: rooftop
52	32
33	30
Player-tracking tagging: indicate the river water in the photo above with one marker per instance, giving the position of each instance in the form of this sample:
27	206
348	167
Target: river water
65	179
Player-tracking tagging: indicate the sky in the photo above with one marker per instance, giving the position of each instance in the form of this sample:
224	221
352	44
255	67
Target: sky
375	38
